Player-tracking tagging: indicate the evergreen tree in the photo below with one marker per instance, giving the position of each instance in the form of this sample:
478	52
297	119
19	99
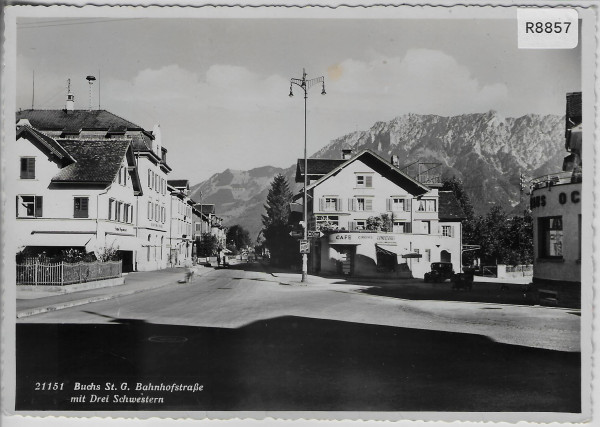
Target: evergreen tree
276	222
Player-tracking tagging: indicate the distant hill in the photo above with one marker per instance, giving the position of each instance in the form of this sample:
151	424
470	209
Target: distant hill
486	151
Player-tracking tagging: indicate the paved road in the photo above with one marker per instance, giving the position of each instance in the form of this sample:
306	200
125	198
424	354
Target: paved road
256	344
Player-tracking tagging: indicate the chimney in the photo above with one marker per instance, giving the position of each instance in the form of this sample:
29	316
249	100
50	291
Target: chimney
346	153
395	161
70	98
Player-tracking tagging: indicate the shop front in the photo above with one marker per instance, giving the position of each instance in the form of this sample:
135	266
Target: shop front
385	255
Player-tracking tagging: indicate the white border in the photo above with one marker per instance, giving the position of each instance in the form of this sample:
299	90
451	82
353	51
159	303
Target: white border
500	10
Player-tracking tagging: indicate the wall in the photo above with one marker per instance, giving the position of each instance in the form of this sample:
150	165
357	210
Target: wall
365	253
57	226
547	202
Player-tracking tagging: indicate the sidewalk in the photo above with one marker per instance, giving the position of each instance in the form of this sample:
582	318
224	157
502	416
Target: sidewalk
31	303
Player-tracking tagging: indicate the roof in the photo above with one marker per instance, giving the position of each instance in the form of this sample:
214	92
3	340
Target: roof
316	167
386	169
76	120
48	142
449	208
96	161
179	183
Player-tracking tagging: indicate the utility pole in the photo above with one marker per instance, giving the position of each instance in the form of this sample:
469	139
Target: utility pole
305	85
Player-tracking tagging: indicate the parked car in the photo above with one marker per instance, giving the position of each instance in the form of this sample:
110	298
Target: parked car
463	280
440	271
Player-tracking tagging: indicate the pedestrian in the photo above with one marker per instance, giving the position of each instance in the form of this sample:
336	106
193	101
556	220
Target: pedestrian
189	271
219	258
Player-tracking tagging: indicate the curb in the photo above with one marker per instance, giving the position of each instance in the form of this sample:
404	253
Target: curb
89	300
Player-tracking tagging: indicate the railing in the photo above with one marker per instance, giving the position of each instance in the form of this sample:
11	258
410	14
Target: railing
62	273
556	179
519	268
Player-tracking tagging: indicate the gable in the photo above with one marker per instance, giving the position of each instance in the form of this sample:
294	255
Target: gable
376	164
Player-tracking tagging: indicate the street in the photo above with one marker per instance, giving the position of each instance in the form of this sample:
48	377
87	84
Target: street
258	344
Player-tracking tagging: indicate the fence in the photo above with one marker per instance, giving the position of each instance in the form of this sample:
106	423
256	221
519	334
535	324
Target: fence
62	273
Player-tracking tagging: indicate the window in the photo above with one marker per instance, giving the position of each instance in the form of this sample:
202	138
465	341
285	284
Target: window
358	225
401	227
111	209
149	178
150	211
362	204
447	231
425	227
550	233
80	207
330	204
427	205
397	204
419	258
427	255
126	213
27	167
364	181
29	206
148	253
119	211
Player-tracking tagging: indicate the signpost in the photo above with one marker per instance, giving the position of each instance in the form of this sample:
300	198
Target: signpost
304	246
296	234
314	234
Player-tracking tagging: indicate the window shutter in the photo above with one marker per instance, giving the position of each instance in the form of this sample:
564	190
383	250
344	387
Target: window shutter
84	205
451	231
368	204
17	204
388	204
408	227
321	204
338	204
39	206
31	167
369	181
407	203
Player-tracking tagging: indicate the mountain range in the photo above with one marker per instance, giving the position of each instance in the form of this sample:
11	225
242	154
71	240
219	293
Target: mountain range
487	151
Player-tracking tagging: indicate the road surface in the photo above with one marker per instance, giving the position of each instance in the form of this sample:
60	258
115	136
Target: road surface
256	344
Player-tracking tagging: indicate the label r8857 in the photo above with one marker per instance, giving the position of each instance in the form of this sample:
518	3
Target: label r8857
547	27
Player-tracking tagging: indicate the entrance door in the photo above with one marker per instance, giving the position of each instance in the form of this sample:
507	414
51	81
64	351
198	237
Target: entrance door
445	256
348	261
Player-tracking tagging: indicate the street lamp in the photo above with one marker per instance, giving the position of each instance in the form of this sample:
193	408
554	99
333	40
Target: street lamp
305	85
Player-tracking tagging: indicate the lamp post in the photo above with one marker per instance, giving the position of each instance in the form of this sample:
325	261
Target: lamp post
305	85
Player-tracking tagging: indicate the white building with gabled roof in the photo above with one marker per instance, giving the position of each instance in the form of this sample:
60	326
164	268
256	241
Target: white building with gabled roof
73	193
377	220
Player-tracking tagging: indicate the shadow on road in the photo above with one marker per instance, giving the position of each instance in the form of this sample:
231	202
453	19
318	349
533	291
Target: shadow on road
293	363
497	293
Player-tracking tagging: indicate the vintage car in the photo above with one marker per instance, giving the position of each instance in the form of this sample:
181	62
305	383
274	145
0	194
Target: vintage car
440	271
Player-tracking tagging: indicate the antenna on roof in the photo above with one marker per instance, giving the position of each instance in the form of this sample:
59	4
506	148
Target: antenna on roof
98	89
33	90
90	80
70	98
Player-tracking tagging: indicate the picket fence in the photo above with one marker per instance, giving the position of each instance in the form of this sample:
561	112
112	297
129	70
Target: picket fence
62	273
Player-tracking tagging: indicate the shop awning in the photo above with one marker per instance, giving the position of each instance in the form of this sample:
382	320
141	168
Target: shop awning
412	255
385	250
72	239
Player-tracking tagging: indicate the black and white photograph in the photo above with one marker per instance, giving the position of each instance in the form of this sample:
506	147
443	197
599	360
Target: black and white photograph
354	213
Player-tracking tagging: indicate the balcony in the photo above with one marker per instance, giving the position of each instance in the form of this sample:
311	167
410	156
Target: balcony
559	178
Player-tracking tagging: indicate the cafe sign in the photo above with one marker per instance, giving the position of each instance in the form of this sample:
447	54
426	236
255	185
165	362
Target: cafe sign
359	238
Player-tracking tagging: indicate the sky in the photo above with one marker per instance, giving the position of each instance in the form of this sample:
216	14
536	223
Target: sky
219	87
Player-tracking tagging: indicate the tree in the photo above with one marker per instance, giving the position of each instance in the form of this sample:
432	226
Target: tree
276	225
239	237
456	186
207	245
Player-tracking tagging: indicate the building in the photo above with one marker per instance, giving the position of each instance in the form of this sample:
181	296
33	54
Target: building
151	222
180	230
376	219
75	194
556	210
